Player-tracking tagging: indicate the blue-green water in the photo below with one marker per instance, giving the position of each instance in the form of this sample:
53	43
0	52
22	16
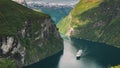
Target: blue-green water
95	55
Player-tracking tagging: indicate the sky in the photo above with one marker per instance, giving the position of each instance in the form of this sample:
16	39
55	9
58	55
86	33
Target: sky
58	1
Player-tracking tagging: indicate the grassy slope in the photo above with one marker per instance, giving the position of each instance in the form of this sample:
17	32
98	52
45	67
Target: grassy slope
5	63
12	17
96	20
64	24
116	66
82	6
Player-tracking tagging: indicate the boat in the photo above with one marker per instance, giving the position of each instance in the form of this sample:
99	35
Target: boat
79	53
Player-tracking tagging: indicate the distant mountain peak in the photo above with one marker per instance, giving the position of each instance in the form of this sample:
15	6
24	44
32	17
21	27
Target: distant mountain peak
23	2
47	4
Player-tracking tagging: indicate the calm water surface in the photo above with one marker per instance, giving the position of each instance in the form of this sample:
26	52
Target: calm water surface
95	55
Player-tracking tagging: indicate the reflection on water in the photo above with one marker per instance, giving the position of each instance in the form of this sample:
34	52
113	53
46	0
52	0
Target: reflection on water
95	55
104	54
68	60
50	62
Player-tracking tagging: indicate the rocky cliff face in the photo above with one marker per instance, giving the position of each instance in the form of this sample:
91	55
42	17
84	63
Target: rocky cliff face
26	36
95	20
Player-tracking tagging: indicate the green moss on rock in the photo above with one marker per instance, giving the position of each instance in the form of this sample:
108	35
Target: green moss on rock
7	63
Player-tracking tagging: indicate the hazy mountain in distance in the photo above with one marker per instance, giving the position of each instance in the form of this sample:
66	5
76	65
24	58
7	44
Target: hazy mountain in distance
55	8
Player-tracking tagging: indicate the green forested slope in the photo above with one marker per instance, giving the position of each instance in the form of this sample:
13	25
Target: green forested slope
26	36
13	16
95	20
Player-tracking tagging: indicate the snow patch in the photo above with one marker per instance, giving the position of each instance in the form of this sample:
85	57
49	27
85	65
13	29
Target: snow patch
51	4
7	45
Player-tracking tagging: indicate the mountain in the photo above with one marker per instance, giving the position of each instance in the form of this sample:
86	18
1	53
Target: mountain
94	20
23	2
66	2
56	11
26	36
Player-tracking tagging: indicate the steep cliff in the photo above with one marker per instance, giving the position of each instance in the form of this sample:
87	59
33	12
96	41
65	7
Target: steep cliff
95	20
26	36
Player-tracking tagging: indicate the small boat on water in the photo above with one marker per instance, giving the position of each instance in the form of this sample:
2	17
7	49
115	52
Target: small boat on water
79	53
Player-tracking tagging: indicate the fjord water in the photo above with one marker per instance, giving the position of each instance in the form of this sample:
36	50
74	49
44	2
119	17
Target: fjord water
95	55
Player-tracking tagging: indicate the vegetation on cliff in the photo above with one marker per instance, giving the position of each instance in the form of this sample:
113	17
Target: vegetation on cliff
26	36
12	17
95	20
5	63
116	66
